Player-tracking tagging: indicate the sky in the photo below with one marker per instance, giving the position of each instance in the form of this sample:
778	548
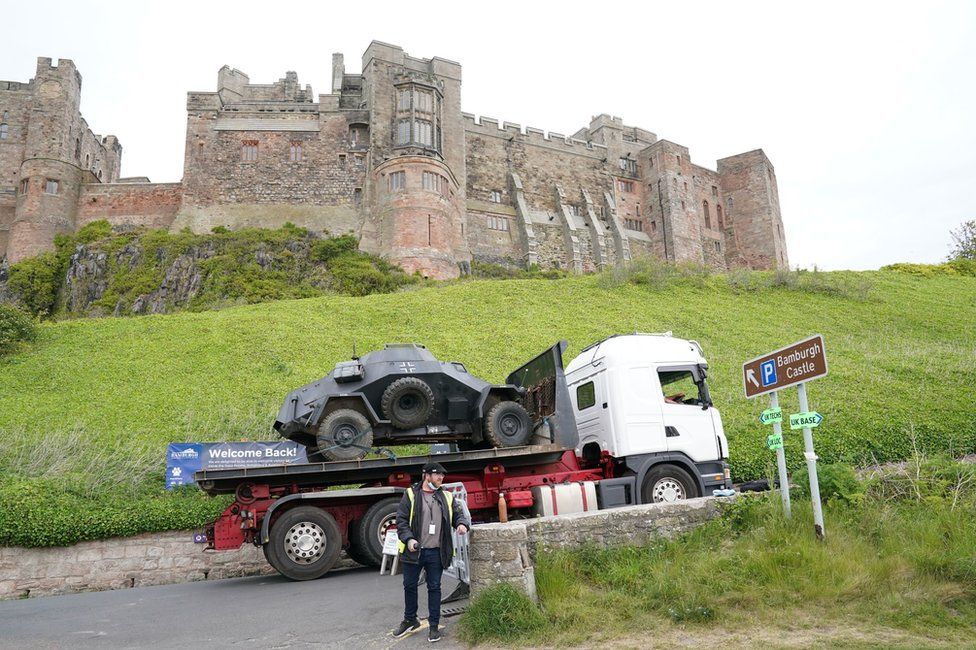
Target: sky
865	109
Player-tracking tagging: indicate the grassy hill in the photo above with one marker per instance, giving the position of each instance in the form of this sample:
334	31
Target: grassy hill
87	410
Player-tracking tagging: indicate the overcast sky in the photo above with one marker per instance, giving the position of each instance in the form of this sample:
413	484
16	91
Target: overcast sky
865	109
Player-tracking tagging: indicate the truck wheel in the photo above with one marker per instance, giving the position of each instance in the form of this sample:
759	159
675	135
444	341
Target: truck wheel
666	484
342	435
305	543
408	402
369	532
508	425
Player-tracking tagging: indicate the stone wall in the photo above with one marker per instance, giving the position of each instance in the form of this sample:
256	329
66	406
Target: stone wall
153	205
506	553
151	559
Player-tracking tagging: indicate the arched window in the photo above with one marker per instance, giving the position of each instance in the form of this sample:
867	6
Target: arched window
718	210
78	149
708	215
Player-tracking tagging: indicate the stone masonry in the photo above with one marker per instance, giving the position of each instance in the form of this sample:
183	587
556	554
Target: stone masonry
506	553
388	155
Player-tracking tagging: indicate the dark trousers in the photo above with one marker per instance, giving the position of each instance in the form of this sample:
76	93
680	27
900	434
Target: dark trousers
430	561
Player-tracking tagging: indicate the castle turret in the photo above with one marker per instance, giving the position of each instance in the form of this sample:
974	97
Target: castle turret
416	215
752	211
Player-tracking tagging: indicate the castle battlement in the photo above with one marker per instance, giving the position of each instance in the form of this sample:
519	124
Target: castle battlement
530	135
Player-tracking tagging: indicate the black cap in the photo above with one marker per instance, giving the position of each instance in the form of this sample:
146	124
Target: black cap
434	467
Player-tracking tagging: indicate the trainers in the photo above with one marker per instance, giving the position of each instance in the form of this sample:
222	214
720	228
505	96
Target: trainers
433	634
406	627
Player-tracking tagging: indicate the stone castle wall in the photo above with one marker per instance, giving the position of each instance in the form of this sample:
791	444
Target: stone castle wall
260	155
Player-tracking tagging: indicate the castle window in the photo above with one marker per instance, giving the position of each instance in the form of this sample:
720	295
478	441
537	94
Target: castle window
295	152
728	207
358	135
678	158
708	215
403	100
3	131
628	165
718	247
682	205
638	209
249	150
24	185
496	196
51	186
674	183
357	196
718	210
626	186
498	223
403	132
398	181
445	187
424	133
424	102
653	226
686	186
78	149
432	181
342	160
714	191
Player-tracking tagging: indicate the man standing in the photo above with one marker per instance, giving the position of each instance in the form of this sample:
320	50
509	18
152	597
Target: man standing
424	521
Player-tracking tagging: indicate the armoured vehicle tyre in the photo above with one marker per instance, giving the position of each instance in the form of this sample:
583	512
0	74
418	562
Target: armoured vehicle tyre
667	483
408	402
342	434
305	543
367	534
508	425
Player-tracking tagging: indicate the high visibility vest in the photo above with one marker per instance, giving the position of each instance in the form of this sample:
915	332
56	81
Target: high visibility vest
449	497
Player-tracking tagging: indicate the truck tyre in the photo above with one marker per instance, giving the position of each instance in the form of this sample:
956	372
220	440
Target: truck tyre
668	483
368	533
304	543
508	425
343	435
408	402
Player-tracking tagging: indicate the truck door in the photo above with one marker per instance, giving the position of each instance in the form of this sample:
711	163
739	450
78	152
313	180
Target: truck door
688	422
589	395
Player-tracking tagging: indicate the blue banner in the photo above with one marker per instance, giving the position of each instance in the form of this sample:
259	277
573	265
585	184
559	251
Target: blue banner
185	458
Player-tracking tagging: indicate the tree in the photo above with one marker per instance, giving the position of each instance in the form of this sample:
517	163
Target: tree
964	241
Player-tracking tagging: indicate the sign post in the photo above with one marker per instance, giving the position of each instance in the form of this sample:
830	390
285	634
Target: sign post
795	364
784	481
811	457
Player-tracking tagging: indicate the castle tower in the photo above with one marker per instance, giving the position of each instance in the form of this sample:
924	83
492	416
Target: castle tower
58	153
752	214
416	194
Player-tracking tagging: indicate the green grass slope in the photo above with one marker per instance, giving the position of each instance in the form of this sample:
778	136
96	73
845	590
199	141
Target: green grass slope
90	406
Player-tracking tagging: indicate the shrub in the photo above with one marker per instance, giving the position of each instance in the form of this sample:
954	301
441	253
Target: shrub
326	249
16	327
503	613
837	481
958	267
35	282
93	231
358	274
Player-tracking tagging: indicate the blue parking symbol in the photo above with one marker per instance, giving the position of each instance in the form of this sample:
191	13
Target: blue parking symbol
767	371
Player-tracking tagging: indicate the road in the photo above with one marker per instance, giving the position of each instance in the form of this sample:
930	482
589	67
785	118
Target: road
353	608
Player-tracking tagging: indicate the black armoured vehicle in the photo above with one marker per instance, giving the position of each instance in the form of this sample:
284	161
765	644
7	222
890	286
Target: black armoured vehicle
402	394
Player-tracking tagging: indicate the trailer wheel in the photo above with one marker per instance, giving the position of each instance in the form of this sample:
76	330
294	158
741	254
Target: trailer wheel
666	484
508	425
344	434
305	543
369	533
408	402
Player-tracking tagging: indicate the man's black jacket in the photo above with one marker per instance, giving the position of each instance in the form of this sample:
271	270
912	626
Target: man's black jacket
406	532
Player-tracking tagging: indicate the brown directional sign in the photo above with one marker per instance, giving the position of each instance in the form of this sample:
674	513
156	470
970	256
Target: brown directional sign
802	361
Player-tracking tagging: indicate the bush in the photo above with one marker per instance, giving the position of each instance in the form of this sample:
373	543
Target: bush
837	481
35	282
358	274
16	327
502	613
326	249
93	231
959	267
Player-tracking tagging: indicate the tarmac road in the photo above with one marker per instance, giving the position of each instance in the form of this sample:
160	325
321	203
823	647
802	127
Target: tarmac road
353	608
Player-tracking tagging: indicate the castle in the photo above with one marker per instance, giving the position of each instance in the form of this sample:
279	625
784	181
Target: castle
390	156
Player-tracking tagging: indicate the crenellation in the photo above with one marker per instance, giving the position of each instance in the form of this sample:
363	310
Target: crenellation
389	155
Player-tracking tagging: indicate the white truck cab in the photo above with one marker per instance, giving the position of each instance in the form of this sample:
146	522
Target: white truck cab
643	399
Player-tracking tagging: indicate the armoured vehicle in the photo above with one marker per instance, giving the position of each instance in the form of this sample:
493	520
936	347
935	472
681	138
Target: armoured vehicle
403	394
